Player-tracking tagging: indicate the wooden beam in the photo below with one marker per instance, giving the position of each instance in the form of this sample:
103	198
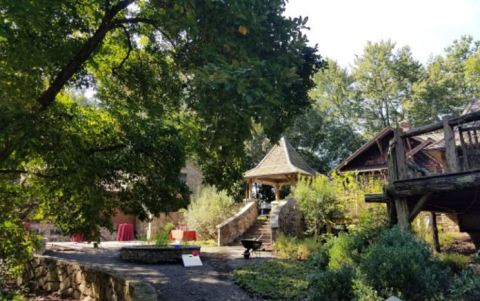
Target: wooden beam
401	206
436	241
465	118
375	198
380	148
418	206
423	129
419	147
392	213
400	155
450	147
438	183
438	125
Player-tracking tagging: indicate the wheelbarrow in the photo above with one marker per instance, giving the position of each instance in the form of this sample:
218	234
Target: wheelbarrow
250	245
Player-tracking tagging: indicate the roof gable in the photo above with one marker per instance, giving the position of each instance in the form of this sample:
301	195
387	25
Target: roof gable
368	152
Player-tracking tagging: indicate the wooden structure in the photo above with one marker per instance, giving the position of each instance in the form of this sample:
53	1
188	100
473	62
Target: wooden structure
453	189
370	160
281	166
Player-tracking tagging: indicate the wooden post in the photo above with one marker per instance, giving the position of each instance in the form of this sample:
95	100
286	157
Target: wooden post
277	192
400	156
392	213
248	190
401	206
450	147
436	241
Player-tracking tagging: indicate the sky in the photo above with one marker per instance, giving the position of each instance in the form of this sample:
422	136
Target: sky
341	28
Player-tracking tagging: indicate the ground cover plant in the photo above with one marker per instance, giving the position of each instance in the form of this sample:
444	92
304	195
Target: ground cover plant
276	279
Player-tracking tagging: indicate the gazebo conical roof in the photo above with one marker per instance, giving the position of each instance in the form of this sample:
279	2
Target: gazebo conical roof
281	165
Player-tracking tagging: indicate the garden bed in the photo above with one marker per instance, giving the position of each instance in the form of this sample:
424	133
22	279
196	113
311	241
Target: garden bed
154	254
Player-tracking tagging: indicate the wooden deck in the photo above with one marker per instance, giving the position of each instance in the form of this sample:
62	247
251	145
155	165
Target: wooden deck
454	189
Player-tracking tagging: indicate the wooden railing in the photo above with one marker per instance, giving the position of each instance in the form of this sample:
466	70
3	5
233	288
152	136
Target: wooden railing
458	152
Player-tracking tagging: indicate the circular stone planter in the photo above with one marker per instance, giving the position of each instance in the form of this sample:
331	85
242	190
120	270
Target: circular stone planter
154	254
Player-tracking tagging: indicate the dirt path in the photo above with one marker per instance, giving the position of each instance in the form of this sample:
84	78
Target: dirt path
212	281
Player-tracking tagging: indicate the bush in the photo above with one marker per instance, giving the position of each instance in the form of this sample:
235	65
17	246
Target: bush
456	262
318	204
344	251
465	287
209	210
288	247
162	237
371	264
400	264
332	285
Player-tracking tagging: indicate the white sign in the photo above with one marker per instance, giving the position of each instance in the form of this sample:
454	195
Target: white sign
191	261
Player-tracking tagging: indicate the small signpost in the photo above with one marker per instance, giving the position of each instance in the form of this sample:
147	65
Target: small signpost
190	260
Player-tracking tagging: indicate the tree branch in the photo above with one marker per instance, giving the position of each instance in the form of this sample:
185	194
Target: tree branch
74	65
22	171
138	20
130	49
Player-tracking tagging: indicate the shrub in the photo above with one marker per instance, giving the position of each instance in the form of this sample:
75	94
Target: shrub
162	237
456	262
209	210
465	286
288	247
363	291
346	248
332	285
350	188
344	251
318	203
400	264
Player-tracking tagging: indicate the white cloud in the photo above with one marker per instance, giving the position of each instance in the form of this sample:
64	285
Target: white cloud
341	28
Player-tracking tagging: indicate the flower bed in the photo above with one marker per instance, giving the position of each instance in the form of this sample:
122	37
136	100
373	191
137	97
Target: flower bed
154	254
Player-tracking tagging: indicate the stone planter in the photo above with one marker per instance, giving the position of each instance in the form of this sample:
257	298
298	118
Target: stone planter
154	254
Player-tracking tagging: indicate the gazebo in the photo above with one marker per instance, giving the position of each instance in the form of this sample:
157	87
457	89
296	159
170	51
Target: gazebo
281	166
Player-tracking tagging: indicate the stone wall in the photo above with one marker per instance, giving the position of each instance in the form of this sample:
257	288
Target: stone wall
83	282
235	226
286	218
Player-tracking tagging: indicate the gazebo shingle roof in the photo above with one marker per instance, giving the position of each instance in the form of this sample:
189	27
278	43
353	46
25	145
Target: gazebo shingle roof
282	159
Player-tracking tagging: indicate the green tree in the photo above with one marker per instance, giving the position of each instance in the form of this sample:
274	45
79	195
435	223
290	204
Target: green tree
383	84
172	78
328	131
450	83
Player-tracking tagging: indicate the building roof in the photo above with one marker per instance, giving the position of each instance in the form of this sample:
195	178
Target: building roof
372	142
281	160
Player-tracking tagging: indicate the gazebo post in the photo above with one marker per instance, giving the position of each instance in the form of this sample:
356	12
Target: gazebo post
248	192
277	191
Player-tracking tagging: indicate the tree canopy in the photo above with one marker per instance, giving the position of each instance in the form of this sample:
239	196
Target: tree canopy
170	79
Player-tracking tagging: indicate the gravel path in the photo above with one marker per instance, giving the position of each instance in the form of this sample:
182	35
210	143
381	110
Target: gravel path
212	281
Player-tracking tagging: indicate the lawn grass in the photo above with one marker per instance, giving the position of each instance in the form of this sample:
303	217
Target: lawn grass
276	279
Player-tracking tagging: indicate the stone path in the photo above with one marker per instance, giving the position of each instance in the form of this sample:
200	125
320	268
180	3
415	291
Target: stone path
212	281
